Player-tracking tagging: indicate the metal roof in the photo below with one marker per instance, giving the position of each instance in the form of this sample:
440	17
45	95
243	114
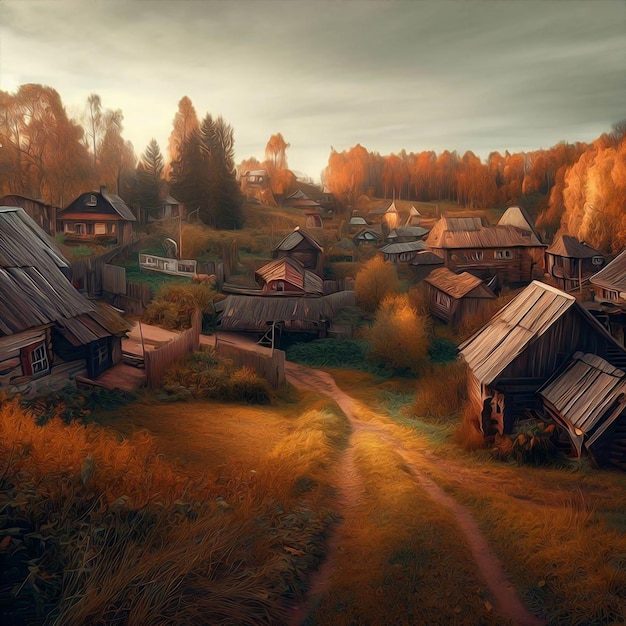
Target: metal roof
34	289
407	246
458	285
568	246
296	237
613	275
528	316
585	391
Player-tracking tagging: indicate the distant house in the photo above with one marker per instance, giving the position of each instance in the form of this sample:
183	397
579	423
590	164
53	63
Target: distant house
255	185
287	275
570	261
356	224
303	247
41	213
401	252
423	263
523	346
452	297
96	216
468	244
402	234
49	332
343	250
312	218
367	237
587	400
414	218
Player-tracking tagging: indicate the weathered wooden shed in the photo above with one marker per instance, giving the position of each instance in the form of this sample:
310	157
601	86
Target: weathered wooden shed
587	400
469	244
288	275
570	261
367	237
401	252
302	246
522	346
41	213
609	284
452	297
48	330
423	263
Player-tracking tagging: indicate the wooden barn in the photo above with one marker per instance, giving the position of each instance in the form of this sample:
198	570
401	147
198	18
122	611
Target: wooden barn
49	332
523	346
288	275
587	400
468	244
423	263
251	313
452	297
303	247
97	217
401	252
403	234
41	213
367	237
569	261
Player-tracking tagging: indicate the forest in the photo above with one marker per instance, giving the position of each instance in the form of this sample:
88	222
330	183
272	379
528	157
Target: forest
578	188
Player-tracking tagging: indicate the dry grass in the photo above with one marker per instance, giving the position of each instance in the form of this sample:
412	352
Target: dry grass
441	392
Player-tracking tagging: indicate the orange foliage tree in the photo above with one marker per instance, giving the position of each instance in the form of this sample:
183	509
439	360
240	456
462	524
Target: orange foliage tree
375	280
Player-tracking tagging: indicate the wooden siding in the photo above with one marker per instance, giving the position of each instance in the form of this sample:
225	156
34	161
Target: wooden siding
484	262
114	279
158	361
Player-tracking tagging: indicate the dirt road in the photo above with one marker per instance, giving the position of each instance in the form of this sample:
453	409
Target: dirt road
502	592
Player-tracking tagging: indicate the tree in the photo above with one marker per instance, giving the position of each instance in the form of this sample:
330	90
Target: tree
150	178
375	280
185	124
94	118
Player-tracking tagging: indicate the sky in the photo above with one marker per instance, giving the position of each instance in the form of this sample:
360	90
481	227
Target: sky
478	75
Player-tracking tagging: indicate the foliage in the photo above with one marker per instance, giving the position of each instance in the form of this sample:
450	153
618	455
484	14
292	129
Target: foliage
441	392
206	375
374	281
531	442
174	304
472	323
442	350
149	175
399	336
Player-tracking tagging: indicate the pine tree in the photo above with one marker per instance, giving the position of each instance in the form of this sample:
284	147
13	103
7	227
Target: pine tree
150	178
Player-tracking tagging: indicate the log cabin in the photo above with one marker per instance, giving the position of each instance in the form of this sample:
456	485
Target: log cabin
452	297
570	261
469	244
96	217
524	345
49	332
587	401
41	213
302	246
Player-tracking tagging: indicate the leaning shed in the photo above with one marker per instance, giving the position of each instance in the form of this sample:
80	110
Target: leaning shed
302	246
452	297
587	400
257	313
522	346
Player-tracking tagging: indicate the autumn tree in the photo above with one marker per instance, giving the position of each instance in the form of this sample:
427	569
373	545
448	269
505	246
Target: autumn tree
149	176
375	280
185	124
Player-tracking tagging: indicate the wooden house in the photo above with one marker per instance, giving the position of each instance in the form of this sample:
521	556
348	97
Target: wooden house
423	263
469	244
256	186
356	224
523	346
569	261
303	247
391	219
403	234
312	218
401	252
41	213
48	330
96	217
367	237
414	218
288	275
609	294
587	400
452	297
297	199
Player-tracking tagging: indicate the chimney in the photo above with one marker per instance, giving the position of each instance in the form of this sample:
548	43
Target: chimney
103	188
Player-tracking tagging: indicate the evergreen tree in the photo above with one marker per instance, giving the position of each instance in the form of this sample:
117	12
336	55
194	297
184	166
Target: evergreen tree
149	179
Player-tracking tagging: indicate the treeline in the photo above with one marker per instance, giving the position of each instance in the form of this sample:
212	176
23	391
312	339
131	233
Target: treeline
556	184
45	154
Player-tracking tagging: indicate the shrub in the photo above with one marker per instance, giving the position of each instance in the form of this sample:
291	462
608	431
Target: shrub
374	281
532	443
399	335
441	392
442	350
206	375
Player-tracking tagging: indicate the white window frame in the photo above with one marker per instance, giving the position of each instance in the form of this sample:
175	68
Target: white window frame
100	228
39	361
504	254
597	260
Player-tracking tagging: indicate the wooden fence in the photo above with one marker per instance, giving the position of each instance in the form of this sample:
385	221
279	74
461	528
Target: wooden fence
114	279
159	360
267	364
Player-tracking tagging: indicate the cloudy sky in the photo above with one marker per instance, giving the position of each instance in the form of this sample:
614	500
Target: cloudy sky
466	74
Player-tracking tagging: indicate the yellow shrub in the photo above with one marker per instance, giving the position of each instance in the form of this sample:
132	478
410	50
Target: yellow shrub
375	280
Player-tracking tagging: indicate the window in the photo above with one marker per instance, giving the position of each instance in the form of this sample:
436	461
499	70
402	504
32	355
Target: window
35	361
68	228
443	299
597	260
280	286
504	254
80	229
91	201
186	267
473	255
99	357
610	295
100	229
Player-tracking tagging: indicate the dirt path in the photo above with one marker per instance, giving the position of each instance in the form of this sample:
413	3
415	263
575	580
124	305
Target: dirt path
502	591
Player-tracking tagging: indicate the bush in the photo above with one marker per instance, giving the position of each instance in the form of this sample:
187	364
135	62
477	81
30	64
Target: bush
374	281
399	335
206	375
441	392
442	350
531	443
